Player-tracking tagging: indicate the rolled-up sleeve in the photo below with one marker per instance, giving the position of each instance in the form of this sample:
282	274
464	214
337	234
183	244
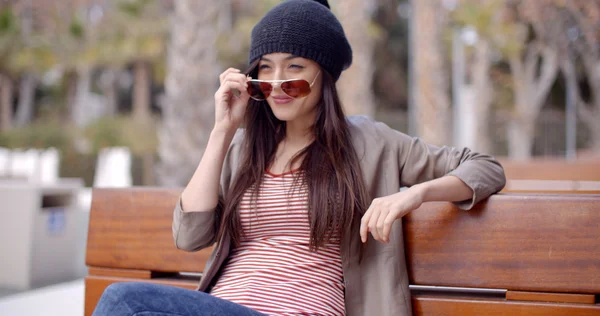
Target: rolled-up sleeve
420	162
193	231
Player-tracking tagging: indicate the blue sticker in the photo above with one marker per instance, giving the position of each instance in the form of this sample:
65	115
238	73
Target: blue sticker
56	220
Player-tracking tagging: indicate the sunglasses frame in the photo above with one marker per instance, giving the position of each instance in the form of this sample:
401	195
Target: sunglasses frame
280	82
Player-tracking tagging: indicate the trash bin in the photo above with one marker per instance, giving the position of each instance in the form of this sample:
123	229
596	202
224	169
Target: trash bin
38	233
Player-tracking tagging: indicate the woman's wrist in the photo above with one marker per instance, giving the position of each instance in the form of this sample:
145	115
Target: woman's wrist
221	131
421	191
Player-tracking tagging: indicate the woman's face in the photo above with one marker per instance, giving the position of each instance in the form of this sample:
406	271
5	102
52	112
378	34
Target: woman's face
284	66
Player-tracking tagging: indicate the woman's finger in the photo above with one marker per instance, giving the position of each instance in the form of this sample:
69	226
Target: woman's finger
235	77
383	213
241	80
226	72
225	92
373	223
364	224
387	225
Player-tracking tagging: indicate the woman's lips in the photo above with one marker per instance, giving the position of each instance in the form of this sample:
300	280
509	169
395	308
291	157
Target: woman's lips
282	99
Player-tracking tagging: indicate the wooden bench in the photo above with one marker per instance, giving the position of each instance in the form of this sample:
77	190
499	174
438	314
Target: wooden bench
514	254
552	186
556	176
552	169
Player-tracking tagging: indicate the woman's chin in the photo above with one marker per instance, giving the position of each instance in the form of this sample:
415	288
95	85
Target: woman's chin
284	112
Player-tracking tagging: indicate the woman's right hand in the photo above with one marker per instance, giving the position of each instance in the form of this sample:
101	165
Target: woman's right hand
229	107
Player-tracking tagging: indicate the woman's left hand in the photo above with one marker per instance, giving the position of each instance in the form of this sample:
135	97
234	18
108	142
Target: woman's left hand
384	211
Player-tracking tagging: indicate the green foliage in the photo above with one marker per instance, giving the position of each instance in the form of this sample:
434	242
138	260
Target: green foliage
137	30
233	46
488	20
76	28
36	58
133	8
9	38
139	136
8	21
40	135
104	133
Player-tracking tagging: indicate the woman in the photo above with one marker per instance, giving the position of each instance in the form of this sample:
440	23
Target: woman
291	198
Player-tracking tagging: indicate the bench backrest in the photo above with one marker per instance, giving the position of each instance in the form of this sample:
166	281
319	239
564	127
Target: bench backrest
513	254
556	176
552	169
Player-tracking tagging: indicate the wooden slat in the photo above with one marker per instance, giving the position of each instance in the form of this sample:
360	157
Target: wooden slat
131	229
550	297
123	273
553	186
94	287
582	170
536	191
544	243
441	306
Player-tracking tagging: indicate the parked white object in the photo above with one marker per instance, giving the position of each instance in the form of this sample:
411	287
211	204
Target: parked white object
38	233
49	165
25	164
4	162
114	168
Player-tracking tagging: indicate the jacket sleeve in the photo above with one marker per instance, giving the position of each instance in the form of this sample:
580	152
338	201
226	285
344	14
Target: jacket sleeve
193	231
420	162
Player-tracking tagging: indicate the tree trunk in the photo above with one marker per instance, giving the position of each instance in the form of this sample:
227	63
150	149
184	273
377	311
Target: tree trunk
25	108
141	90
355	85
148	178
594	126
520	138
483	97
108	85
432	99
6	102
80	113
533	75
590	113
71	91
188	113
521	128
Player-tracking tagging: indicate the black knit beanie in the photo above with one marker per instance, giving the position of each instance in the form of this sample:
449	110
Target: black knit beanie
305	28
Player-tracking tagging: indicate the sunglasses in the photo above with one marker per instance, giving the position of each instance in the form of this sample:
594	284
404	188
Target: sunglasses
260	90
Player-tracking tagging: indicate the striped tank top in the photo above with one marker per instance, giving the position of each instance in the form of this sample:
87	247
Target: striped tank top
273	271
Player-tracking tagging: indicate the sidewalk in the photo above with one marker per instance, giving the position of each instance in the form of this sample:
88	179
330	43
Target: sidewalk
65	299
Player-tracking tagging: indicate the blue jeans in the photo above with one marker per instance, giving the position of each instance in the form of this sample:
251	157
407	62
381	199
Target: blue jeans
120	299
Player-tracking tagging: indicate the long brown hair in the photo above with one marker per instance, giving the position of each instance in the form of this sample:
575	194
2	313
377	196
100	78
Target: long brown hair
337	196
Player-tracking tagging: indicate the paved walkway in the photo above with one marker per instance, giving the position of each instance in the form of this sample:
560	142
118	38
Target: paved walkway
65	299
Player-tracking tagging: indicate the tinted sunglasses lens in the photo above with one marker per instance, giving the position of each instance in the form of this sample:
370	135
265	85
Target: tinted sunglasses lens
259	90
296	88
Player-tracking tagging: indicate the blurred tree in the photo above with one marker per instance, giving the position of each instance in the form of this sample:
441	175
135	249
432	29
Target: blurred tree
132	32
432	99
192	79
582	40
136	32
356	84
534	69
233	42
485	18
391	55
9	36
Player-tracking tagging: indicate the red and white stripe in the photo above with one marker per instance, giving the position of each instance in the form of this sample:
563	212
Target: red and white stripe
273	271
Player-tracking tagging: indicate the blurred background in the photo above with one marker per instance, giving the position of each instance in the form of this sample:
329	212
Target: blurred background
119	93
